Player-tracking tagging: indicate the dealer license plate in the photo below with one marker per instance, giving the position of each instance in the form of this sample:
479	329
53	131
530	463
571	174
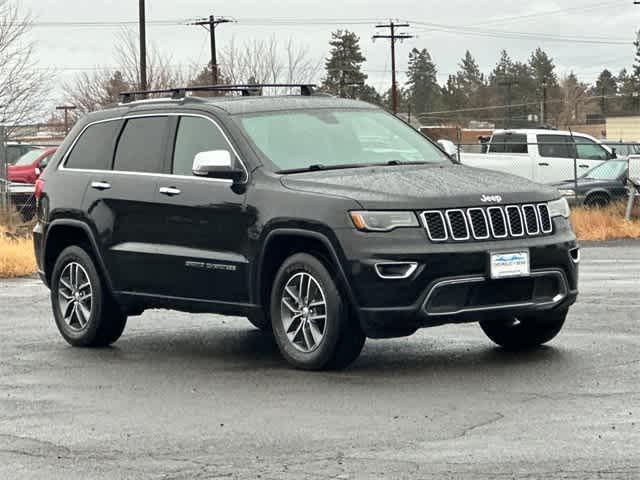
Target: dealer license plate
510	264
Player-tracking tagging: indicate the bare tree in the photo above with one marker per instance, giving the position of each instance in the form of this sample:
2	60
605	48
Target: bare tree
91	91
574	98
23	86
260	61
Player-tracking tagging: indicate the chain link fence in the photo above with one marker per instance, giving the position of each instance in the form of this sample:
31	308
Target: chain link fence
17	200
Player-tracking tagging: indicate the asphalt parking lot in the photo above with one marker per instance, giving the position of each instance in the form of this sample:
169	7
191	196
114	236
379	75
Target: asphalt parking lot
185	396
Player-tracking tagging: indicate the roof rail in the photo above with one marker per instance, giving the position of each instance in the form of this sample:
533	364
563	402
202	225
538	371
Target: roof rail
246	90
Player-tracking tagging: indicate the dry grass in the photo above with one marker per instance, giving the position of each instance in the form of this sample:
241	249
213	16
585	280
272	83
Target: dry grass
16	255
604	223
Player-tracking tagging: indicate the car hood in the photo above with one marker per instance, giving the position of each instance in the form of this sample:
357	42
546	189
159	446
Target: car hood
585	184
422	186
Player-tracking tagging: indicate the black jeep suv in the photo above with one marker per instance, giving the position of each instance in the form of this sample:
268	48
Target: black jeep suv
322	220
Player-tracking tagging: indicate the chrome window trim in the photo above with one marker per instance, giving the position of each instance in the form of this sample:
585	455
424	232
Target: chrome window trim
504	222
550	229
464	219
62	165
478	279
535	214
413	266
473	230
426	225
509	221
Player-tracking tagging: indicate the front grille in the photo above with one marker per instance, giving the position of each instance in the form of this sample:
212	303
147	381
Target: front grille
479	223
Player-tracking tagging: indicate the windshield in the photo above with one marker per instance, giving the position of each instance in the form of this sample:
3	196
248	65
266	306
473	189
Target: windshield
610	170
310	139
28	158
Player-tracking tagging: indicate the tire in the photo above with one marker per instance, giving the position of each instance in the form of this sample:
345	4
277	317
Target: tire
328	336
598	200
526	332
260	321
91	318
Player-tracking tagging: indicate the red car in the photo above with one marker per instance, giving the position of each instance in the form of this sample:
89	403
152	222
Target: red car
29	167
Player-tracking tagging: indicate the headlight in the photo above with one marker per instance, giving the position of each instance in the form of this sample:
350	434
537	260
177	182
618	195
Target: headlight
559	208
567	193
383	221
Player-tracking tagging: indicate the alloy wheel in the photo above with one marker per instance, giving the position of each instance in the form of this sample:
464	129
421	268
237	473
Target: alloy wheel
303	310
75	296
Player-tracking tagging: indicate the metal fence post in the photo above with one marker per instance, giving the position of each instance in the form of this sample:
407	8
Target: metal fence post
5	202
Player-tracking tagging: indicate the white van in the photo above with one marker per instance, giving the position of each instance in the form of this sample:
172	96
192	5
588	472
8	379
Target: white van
545	156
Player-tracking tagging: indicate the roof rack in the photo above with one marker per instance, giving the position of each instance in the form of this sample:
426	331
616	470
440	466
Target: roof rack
246	90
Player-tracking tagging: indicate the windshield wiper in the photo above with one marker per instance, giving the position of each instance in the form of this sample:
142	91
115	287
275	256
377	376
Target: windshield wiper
320	166
406	162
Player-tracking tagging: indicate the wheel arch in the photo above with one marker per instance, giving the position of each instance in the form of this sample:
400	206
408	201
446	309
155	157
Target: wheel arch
597	192
281	243
64	233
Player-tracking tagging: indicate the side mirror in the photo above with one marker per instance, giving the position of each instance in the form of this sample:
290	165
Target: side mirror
38	171
216	164
613	153
450	148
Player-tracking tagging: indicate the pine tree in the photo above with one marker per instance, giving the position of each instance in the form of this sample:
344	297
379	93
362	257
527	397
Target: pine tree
344	65
606	86
423	90
543	68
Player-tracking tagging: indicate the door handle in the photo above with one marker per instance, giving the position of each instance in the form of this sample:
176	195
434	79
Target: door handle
543	164
101	185
583	166
170	191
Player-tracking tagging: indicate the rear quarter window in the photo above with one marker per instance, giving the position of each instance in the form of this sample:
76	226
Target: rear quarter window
94	148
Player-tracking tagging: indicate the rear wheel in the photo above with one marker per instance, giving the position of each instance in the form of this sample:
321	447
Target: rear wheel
85	312
311	322
524	332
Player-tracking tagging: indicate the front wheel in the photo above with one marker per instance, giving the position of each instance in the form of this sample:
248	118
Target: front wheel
526	331
311	322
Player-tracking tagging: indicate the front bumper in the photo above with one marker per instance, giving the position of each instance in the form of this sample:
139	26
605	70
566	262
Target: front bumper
456	276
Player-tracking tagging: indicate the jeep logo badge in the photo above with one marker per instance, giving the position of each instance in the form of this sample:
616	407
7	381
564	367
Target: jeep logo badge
491	198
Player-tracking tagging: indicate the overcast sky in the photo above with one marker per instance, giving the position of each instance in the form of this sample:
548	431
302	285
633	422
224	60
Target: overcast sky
606	30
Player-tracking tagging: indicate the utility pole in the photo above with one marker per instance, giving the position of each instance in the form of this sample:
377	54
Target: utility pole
509	84
143	46
210	24
66	109
393	36
543	105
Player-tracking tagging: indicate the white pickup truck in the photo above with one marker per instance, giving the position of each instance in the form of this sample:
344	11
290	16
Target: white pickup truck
545	156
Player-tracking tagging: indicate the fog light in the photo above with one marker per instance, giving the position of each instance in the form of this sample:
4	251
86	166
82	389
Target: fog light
575	255
395	270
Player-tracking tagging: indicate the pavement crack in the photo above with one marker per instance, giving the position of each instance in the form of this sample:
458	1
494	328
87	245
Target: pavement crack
498	416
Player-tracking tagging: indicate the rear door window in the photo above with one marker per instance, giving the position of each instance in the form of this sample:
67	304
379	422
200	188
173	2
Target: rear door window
509	143
556	146
94	149
142	145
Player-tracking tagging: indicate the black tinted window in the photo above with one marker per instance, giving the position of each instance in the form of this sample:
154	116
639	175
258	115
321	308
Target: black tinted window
195	135
509	143
555	146
141	147
94	148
